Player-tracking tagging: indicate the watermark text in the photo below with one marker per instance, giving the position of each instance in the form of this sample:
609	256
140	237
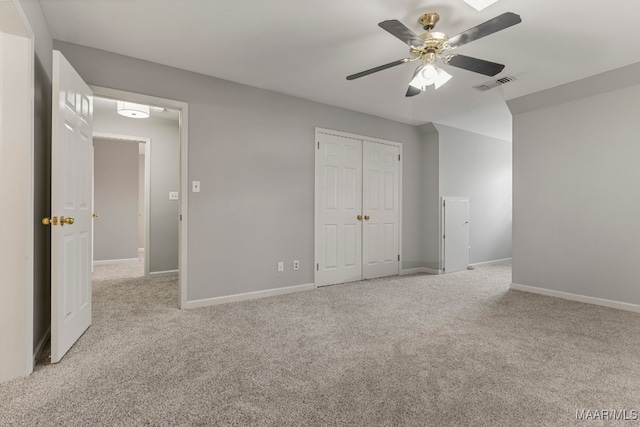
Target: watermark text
607	415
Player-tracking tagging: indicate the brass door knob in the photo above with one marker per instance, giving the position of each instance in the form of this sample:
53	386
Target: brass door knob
50	221
367	217
95	215
359	217
67	220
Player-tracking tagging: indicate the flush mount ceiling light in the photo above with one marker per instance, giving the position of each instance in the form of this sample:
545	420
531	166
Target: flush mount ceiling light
480	4
135	111
427	75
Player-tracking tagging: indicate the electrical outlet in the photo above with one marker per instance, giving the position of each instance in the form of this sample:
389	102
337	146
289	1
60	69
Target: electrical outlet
280	266
195	186
296	265
173	195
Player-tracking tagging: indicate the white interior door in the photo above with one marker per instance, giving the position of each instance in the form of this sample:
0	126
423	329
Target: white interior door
455	238
71	180
380	198
338	206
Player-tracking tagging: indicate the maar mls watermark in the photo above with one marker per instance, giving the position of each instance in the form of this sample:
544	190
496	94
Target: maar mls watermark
607	415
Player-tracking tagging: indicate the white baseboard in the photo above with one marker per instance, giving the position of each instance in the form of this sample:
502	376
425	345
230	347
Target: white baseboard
495	261
411	271
116	261
580	298
249	295
419	270
40	346
162	273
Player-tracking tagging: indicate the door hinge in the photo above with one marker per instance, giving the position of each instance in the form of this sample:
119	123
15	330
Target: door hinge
398	157
444	237
318	145
444	204
318	267
398	257
180	217
444	269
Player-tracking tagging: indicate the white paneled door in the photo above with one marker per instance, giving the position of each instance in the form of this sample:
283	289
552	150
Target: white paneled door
70	220
455	238
380	198
338	210
357	209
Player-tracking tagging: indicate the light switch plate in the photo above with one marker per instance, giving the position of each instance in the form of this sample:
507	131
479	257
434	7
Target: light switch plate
173	195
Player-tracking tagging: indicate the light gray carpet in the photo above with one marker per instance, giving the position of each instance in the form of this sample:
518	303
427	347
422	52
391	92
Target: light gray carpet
458	349
122	270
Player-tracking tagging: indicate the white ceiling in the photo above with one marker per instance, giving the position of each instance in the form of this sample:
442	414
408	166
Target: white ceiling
306	49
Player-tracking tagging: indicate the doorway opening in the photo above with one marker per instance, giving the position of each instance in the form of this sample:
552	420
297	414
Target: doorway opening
157	221
121	201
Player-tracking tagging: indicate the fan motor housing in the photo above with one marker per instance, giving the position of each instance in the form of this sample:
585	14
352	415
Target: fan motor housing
434	43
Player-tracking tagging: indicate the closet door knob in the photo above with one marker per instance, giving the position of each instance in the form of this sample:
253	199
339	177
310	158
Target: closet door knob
367	217
50	221
359	217
68	220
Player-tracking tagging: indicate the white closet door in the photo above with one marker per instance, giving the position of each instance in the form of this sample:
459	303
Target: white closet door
455	214
338	231
380	242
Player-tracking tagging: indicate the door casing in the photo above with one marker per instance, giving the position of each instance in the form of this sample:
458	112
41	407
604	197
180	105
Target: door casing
17	189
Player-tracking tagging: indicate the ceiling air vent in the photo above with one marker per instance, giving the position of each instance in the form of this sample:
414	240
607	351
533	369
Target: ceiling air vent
494	83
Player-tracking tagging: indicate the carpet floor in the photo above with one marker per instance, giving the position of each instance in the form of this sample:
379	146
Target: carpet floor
457	349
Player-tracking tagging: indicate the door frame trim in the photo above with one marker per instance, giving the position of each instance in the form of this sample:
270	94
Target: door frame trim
319	130
183	108
17	354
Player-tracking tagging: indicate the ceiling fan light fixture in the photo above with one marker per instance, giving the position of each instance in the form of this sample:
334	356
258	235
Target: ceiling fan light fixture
428	75
480	4
132	110
442	78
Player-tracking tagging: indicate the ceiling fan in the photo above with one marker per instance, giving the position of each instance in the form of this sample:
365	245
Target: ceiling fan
433	46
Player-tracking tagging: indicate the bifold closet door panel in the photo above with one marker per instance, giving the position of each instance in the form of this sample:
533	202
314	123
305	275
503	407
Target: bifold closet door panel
338	205
380	237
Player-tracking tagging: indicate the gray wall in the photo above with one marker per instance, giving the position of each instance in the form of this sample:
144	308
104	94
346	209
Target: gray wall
165	177
431	196
253	151
479	167
576	202
459	163
115	195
